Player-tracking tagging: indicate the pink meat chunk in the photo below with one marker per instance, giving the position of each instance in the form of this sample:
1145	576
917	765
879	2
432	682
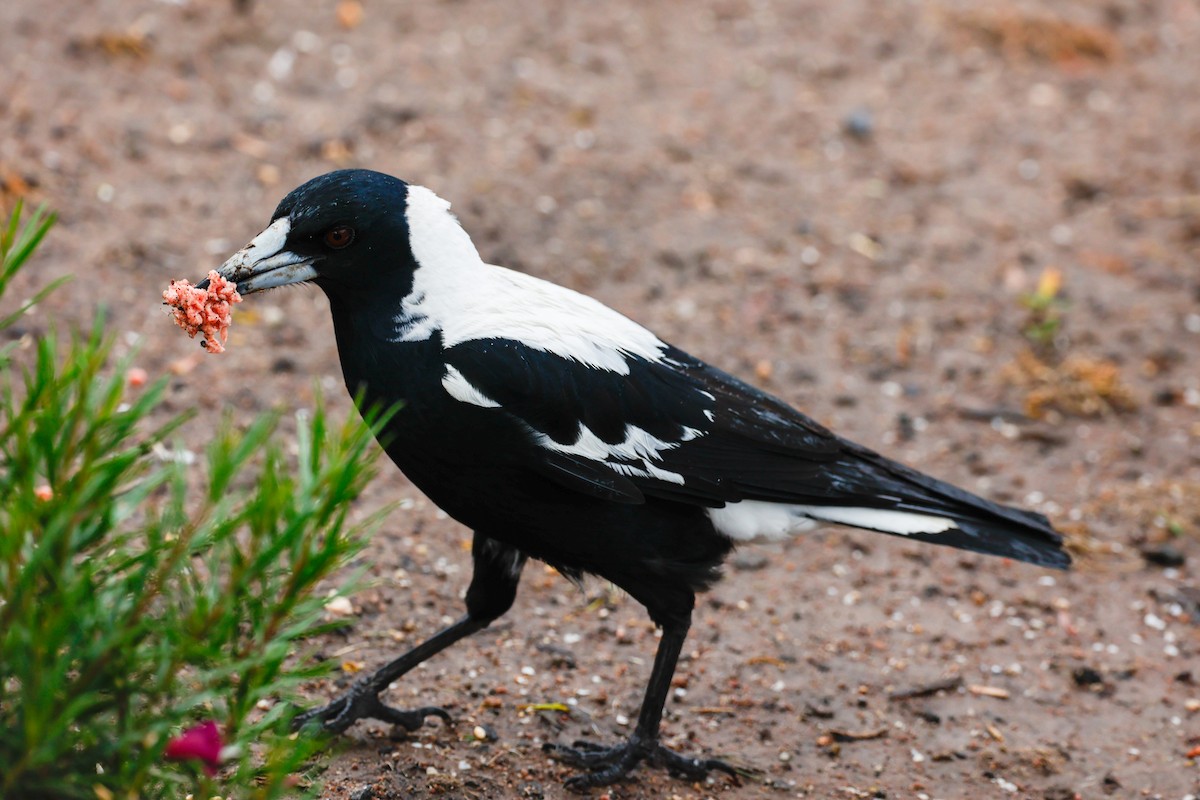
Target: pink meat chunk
205	311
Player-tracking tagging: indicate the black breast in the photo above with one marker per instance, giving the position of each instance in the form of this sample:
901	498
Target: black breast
477	464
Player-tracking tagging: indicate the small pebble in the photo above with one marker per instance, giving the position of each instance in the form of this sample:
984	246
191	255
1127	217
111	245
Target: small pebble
859	123
1164	556
349	14
484	733
340	606
749	560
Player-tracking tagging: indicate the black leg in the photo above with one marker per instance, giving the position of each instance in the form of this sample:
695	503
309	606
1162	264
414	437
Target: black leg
492	591
610	764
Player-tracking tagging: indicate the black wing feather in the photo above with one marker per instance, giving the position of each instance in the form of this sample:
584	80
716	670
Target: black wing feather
591	477
731	442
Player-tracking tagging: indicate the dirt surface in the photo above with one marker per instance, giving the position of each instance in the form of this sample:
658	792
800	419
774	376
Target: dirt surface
968	238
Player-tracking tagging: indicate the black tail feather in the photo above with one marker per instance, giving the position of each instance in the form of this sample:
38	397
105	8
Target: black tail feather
984	526
1040	546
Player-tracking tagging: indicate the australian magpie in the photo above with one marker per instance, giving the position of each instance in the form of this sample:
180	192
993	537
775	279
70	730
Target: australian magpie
557	429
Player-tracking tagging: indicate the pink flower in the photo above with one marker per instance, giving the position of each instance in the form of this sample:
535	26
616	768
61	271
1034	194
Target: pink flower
201	742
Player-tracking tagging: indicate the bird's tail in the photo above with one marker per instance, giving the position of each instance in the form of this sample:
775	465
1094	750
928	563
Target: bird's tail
1034	542
926	509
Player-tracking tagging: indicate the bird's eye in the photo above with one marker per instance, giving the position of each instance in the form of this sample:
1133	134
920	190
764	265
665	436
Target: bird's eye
339	237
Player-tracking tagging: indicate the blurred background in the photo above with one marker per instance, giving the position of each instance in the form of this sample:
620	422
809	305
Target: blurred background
965	234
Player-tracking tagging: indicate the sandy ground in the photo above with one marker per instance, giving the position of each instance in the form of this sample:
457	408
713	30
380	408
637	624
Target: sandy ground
848	203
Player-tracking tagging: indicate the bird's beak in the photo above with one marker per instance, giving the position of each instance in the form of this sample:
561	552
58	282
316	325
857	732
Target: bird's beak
265	263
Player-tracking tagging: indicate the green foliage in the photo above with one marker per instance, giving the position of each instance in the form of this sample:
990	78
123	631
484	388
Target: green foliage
17	243
137	599
1047	311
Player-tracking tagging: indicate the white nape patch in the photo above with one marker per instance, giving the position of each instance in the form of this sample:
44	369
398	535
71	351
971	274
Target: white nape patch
456	293
638	445
750	520
458	387
436	238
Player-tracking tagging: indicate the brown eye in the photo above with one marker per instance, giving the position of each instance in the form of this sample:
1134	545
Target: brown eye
339	237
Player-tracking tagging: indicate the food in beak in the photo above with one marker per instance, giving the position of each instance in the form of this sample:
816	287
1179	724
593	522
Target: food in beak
204	309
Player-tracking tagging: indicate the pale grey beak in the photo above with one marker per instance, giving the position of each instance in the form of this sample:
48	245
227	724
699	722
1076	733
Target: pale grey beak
265	264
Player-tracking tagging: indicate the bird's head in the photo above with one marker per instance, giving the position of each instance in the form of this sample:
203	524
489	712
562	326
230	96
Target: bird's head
346	231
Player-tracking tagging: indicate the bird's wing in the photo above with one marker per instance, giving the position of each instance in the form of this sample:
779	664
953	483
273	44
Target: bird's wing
789	459
676	428
672	427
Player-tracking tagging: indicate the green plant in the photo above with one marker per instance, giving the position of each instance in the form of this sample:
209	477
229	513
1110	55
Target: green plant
137	599
1047	310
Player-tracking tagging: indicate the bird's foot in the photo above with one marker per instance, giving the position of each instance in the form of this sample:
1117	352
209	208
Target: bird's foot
610	764
361	701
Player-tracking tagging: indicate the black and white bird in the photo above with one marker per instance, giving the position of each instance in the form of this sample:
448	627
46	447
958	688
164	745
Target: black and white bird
557	429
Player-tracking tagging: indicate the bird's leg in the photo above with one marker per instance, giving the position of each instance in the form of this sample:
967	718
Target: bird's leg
610	764
361	700
493	588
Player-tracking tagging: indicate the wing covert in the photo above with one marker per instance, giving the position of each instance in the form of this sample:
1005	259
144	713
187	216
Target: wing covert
673	428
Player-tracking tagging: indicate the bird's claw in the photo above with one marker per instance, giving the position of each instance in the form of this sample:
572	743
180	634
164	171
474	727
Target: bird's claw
610	764
362	702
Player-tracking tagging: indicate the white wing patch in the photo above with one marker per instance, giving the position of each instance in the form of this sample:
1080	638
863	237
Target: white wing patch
456	293
758	520
461	389
904	523
637	446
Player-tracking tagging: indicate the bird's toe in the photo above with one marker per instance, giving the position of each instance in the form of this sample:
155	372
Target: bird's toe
362	702
693	768
583	753
409	719
609	764
332	717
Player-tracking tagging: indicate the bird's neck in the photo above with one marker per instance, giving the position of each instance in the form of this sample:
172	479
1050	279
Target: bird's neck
440	292
374	363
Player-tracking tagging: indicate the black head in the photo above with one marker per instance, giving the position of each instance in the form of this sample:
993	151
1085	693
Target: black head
345	231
